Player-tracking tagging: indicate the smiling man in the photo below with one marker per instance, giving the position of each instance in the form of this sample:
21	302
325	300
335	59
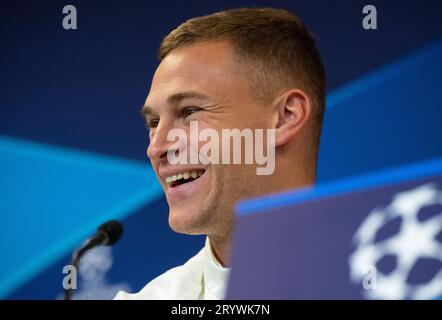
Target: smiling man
244	69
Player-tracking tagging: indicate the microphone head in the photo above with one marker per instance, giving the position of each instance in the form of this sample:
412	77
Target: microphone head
112	230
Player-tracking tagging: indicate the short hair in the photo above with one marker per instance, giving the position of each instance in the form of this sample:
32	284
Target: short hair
274	43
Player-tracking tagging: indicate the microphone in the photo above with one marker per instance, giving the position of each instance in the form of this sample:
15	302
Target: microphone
107	234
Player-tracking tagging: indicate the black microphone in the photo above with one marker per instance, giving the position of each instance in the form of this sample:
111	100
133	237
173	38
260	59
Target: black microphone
107	234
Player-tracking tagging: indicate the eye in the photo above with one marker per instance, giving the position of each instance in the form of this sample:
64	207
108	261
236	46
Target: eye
190	110
152	123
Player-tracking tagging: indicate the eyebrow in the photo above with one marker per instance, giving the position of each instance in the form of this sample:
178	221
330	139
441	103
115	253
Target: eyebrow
174	100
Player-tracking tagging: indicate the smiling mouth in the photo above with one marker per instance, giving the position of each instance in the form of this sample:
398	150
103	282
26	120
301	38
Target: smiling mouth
183	178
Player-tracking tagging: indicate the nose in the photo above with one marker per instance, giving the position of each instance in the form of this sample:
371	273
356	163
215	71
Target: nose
159	145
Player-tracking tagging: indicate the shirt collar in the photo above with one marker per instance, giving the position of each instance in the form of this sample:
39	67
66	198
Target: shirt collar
215	276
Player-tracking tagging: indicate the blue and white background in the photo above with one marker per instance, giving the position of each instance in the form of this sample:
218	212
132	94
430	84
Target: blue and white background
72	144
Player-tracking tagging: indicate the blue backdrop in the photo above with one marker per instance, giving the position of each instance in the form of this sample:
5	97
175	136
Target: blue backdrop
72	145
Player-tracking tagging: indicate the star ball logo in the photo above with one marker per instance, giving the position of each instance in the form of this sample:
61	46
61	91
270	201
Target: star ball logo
398	248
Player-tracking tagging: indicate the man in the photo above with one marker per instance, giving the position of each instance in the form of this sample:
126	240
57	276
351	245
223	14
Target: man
245	69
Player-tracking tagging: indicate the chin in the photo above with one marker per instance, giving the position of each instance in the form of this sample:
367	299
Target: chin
186	222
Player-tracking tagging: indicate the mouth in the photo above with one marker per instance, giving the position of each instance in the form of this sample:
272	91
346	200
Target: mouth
184	177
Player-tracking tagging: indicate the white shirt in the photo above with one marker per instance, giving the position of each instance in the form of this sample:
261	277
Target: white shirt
201	278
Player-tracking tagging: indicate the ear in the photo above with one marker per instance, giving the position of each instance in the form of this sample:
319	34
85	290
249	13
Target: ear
294	110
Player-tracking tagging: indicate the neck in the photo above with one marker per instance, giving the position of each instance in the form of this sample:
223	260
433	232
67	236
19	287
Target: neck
221	249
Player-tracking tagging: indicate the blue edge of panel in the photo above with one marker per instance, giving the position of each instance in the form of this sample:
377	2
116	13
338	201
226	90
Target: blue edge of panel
398	174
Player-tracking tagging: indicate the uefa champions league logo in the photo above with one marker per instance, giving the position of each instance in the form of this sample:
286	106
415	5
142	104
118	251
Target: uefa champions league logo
400	242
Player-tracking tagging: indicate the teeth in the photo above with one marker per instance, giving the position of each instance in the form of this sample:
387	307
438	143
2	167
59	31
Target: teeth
185	175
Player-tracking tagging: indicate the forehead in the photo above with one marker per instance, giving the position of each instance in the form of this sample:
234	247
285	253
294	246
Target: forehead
205	67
